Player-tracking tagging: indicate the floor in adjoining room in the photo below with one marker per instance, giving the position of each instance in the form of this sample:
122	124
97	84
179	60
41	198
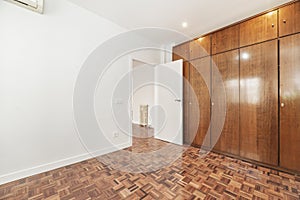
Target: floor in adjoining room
190	176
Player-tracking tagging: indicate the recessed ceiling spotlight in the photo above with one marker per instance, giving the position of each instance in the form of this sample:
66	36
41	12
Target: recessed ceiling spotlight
184	24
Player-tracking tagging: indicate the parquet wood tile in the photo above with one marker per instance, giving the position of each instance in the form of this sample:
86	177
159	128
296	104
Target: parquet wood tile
192	176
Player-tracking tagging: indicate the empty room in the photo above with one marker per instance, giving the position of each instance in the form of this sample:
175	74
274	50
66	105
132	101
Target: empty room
140	99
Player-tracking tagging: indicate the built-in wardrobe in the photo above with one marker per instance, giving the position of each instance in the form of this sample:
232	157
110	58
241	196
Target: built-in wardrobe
258	60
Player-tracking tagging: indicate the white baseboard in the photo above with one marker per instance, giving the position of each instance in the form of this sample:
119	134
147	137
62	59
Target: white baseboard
61	163
135	122
138	123
168	140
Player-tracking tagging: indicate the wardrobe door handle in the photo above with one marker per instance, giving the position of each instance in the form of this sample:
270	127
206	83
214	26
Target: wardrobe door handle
284	21
282	105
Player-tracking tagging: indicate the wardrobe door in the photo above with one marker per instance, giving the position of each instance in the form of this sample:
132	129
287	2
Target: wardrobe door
200	102
187	138
226	39
258	29
181	52
289	19
259	102
290	102
200	48
225	95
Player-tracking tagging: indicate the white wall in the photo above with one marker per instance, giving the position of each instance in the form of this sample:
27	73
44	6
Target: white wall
40	57
167	54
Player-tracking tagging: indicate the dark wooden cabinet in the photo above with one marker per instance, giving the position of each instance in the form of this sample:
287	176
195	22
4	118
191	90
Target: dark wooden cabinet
262	113
200	47
181	52
289	19
225	95
200	101
259	29
259	102
226	39
187	137
290	102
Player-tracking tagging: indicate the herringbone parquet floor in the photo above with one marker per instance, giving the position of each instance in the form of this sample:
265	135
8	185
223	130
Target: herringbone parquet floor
191	176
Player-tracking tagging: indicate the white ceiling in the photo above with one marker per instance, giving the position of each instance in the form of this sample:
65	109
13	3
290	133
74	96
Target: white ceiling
202	16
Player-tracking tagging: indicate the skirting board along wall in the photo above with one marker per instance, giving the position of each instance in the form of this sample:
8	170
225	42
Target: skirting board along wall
61	163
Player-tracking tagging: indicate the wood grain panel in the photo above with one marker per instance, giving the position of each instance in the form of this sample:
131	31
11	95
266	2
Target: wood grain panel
200	83
181	52
258	29
226	39
290	97
289	19
259	102
225	94
187	138
200	48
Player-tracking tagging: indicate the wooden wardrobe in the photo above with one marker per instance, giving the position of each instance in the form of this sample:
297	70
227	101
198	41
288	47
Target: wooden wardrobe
256	63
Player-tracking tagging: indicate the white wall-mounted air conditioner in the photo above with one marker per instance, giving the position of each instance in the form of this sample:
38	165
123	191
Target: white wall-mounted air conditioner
34	5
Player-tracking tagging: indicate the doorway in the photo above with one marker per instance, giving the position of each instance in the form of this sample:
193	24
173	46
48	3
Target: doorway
159	88
142	97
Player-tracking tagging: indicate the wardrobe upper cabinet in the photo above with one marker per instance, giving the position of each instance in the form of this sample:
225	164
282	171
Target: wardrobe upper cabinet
200	47
289	19
258	29
199	108
181	52
225	39
259	102
225	102
290	102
